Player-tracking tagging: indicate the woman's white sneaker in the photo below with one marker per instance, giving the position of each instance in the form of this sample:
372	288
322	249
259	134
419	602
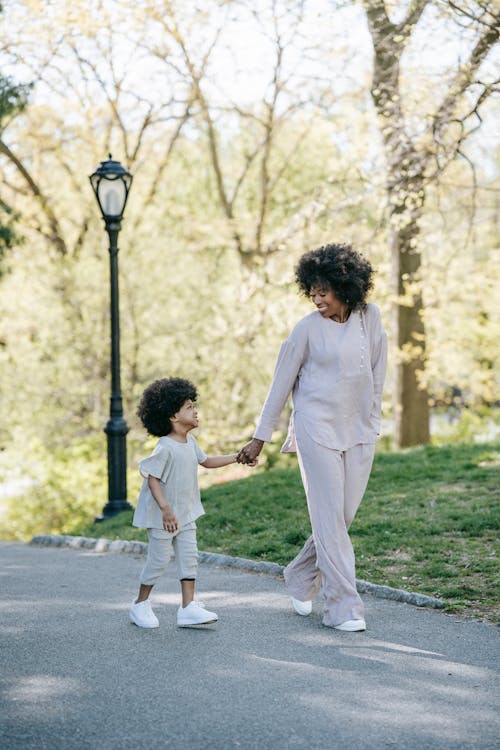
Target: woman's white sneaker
351	626
142	615
302	608
194	614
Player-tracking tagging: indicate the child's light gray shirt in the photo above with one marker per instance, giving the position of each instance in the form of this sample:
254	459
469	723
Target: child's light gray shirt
336	374
176	466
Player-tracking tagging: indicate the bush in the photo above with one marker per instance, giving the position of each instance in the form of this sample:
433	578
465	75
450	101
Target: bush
68	488
482	425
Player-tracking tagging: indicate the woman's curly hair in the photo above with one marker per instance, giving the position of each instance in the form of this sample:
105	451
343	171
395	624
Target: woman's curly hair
336	267
162	400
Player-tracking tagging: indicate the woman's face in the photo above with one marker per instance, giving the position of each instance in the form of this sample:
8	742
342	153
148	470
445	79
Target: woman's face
327	302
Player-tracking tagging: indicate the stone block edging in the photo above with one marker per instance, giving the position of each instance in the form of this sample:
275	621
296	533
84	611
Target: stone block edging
241	563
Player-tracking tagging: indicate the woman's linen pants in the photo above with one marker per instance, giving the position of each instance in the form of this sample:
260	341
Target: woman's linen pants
334	483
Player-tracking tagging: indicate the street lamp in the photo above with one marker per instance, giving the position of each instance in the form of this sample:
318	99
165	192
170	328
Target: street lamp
111	184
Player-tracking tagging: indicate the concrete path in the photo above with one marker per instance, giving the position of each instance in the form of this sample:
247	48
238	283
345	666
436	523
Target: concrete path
75	674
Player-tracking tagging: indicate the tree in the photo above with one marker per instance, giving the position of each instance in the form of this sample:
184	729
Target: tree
250	167
415	156
84	104
231	184
13	99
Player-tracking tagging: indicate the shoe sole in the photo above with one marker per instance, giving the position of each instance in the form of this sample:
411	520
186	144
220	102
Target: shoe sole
195	624
145	627
302	614
350	630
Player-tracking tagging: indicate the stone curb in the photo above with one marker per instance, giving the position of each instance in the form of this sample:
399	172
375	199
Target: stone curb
241	563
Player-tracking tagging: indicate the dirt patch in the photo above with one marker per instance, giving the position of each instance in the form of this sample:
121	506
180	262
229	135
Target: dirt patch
398	554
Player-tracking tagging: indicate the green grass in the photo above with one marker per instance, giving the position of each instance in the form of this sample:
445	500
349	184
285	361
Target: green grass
429	523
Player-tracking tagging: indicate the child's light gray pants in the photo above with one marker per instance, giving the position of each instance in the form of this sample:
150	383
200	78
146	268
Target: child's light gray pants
162	546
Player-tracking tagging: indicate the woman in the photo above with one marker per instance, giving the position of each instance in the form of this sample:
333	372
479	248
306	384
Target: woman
334	363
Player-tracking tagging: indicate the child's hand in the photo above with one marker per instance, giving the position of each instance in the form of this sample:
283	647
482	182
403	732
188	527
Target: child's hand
253	462
169	520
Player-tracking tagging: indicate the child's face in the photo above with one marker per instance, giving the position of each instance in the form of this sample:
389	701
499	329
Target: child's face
187	416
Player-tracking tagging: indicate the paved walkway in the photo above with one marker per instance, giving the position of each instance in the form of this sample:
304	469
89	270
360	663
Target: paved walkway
75	674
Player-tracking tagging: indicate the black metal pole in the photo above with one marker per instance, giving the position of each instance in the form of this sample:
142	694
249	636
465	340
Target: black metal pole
116	428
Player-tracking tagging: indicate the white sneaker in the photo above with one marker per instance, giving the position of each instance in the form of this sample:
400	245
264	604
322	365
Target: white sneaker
194	614
142	615
352	626
302	608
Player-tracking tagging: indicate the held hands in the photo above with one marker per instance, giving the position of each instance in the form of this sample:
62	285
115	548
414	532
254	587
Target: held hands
252	463
248	454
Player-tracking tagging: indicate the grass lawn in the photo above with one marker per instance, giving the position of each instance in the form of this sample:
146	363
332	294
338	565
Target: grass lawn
429	523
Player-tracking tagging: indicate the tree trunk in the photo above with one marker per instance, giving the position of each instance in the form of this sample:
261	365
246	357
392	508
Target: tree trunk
410	397
405	190
406	197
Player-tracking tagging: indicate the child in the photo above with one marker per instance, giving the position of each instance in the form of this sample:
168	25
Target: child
169	501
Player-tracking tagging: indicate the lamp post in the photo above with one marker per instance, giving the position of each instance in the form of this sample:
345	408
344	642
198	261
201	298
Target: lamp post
111	184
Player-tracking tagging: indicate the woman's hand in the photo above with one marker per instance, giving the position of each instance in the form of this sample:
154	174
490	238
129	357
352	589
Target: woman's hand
248	454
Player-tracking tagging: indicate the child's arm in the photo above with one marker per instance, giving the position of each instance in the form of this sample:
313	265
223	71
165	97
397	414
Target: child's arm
214	462
169	518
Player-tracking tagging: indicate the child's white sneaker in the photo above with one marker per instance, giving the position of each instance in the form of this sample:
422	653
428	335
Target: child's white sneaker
142	615
194	614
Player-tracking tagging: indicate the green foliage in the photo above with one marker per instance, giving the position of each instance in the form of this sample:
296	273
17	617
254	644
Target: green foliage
469	424
9	237
13	99
68	487
13	96
203	294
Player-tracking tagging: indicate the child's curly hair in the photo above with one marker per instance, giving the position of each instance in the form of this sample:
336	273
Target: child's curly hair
336	267
162	400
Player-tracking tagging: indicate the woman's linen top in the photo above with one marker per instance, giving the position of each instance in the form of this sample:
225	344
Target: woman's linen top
176	466
336	373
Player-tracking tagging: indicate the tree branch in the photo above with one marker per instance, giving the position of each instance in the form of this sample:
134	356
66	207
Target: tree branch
464	78
55	235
